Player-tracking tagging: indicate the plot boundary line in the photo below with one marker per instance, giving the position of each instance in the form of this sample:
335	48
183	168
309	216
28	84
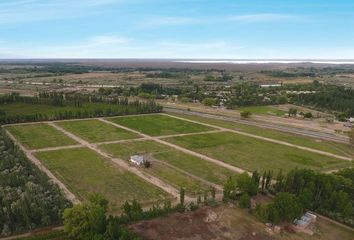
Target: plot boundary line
266	139
68	194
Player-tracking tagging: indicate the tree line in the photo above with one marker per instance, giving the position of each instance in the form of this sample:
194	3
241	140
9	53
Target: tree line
73	106
28	199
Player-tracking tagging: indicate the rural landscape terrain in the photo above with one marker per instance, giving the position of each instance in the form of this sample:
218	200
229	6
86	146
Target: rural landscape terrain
122	149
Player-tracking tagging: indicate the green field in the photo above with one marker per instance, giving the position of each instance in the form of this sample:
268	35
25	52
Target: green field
36	136
177	179
253	154
188	163
83	171
323	145
158	125
96	131
267	110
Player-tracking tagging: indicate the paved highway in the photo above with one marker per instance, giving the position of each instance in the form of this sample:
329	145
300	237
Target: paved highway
305	132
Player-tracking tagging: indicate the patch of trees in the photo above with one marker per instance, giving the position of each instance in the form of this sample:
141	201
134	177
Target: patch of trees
245	94
28	199
88	221
291	73
329	194
74	106
328	97
223	78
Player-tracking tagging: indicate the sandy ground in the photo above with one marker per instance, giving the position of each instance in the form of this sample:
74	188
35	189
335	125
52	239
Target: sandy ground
227	222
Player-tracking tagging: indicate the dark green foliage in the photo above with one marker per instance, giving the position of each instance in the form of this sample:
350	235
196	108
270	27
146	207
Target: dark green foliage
28	199
181	196
88	221
245	201
285	207
69	106
247	184
330	194
246	114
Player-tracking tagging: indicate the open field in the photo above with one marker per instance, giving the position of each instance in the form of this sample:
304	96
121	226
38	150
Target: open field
158	152
270	110
36	136
323	145
158	125
177	179
84	171
230	223
95	131
254	154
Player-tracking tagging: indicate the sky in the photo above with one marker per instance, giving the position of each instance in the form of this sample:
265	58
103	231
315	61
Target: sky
203	29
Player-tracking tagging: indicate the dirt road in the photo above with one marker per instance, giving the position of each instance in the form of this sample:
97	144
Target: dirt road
69	195
267	139
153	180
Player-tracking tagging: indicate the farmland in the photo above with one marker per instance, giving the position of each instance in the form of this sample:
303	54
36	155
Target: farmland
253	154
84	171
96	131
182	154
323	145
191	164
157	125
42	135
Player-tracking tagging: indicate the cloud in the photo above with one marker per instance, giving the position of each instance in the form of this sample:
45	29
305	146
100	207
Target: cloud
18	11
263	17
258	17
168	21
96	46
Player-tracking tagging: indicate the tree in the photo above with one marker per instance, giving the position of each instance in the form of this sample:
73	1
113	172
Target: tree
85	221
351	136
181	196
308	115
287	206
246	184
229	189
292	112
245	201
246	114
213	192
209	101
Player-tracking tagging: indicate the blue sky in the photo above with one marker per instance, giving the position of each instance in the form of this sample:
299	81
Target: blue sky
232	29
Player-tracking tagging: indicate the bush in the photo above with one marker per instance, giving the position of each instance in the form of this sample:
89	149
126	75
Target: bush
246	114
245	201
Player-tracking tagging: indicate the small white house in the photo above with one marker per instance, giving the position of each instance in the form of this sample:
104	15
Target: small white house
137	159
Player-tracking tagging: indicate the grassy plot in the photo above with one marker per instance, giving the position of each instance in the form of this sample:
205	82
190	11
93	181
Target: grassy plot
323	145
96	131
177	179
84	171
188	163
253	154
267	110
36	136
157	125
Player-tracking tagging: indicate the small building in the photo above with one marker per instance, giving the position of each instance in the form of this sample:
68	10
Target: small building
305	221
137	159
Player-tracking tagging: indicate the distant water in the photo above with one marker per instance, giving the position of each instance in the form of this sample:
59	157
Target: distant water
269	61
